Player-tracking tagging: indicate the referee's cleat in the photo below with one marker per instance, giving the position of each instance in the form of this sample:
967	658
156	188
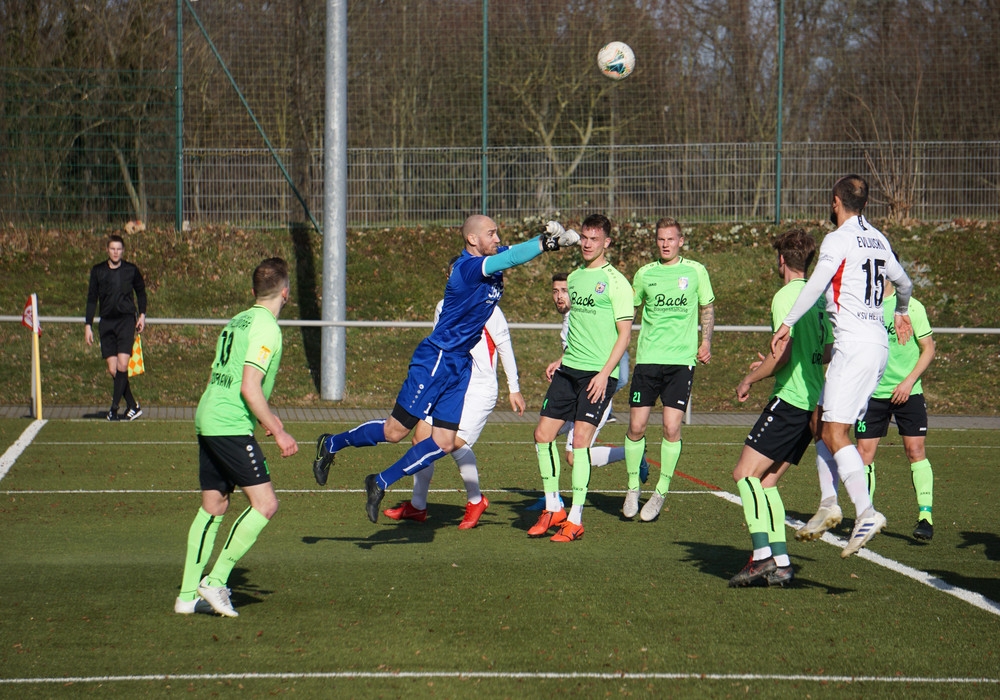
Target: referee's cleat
923	531
113	415
406	511
568	532
375	495
826	517
865	527
323	461
644	470
781	576
753	571
133	413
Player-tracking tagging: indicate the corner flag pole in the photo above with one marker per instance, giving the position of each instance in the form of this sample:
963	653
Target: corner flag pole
36	361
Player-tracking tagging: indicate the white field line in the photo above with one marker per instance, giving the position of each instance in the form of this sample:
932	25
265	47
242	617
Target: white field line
976	599
500	675
20	445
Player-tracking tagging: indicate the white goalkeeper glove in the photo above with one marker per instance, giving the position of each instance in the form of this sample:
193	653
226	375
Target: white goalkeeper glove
556	237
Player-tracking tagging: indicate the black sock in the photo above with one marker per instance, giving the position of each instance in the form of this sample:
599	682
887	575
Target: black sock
130	401
121	381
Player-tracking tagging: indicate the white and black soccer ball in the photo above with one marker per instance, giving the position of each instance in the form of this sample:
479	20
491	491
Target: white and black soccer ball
616	60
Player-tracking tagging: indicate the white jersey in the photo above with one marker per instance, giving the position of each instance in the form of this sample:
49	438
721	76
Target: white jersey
494	342
854	261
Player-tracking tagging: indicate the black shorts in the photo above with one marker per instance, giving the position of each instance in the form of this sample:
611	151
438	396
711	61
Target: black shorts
670	383
117	335
567	398
225	462
911	418
782	432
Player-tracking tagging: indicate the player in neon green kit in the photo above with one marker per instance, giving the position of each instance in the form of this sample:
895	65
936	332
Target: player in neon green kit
600	324
675	293
785	427
899	396
247	356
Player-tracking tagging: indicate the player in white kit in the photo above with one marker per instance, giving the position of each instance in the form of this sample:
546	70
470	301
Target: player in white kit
480	399
854	261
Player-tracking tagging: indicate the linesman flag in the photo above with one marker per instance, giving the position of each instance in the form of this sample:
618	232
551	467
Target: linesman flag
29	317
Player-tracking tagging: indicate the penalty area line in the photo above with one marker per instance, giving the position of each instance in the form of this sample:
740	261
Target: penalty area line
499	675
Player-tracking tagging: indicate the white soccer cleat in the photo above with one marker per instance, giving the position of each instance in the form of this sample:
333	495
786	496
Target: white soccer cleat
652	507
826	517
218	598
190	607
631	507
864	529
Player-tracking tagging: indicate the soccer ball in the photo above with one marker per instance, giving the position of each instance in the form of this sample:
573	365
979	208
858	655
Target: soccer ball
616	60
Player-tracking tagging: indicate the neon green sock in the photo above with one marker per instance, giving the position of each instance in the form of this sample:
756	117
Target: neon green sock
634	452
670	452
241	538
548	465
755	510
870	475
201	539
923	484
581	475
776	522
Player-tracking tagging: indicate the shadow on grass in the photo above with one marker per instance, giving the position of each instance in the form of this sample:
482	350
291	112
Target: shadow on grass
309	305
723	562
244	592
986	587
989	541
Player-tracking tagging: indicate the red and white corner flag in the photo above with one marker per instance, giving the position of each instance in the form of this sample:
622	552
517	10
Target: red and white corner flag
29	317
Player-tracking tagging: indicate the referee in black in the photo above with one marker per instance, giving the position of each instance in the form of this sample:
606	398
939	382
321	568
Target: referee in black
113	283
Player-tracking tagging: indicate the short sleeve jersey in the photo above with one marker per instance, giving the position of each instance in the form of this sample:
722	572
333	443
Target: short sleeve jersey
902	358
599	299
671	296
856	259
469	299
800	380
251	338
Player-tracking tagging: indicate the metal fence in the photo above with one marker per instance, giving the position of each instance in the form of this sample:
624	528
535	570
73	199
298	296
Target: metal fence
695	182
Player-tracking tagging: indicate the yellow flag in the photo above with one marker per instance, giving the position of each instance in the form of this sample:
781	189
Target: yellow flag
135	365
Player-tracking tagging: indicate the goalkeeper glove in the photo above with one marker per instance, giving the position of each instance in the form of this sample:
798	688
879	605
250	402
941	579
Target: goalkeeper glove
556	237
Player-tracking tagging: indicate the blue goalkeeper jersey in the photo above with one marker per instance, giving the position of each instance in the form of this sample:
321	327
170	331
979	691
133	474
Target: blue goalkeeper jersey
469	299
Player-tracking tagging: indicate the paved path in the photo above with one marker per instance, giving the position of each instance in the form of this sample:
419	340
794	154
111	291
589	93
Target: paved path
359	415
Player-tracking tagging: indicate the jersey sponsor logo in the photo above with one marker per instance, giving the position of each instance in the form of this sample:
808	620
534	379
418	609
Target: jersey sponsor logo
683	282
263	355
578	300
664	300
601	287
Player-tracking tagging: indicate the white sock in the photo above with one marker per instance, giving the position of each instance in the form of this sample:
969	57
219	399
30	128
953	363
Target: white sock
465	458
576	515
602	456
762	553
782	560
826	467
421	485
852	473
552	503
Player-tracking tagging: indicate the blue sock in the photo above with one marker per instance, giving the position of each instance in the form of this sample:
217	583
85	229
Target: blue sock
365	435
416	458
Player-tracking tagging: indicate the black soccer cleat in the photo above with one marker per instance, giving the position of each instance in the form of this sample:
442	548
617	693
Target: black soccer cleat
113	415
375	495
923	531
753	571
323	461
781	576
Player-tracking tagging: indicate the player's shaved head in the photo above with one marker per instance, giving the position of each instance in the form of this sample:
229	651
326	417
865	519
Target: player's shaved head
853	193
475	224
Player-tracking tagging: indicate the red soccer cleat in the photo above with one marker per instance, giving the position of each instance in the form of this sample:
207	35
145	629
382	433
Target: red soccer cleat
568	532
473	511
406	511
546	521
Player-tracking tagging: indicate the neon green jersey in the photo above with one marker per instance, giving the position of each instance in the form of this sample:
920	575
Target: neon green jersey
902	358
800	380
599	298
671	296
251	338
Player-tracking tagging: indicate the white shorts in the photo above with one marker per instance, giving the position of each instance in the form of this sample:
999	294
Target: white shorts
851	379
567	429
479	403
